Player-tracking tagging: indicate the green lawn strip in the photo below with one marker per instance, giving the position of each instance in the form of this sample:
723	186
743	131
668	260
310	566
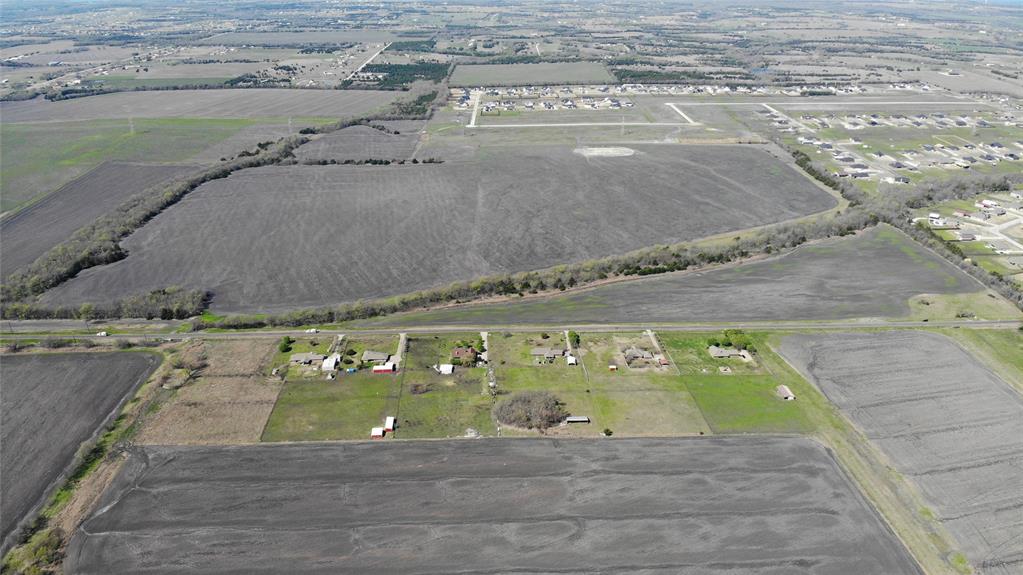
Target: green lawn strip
1000	349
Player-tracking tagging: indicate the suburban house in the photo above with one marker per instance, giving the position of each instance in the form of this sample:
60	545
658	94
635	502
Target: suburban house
378	357
308	358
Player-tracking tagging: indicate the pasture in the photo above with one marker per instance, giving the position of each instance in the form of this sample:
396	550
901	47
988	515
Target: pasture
530	74
871	274
948	424
374	231
775	504
51	404
31	232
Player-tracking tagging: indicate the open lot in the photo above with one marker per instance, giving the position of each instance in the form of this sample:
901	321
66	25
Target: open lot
947	422
229	402
528	74
249	103
701	505
31	232
515	209
867	275
51	404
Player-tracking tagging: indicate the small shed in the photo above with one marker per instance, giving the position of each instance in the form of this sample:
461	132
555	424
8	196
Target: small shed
784	392
572	360
388	367
376	433
389	423
612	367
577	419
331	362
446	369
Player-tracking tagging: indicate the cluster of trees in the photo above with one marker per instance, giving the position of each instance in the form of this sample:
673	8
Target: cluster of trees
413	46
634	76
736	338
167	303
399	76
531	410
370	162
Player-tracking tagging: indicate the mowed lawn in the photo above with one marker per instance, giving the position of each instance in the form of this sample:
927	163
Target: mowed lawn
743	401
688	397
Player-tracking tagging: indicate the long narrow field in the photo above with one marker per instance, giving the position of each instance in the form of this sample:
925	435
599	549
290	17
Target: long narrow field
299	236
872	274
251	103
523	74
948	423
50	404
736	505
31	232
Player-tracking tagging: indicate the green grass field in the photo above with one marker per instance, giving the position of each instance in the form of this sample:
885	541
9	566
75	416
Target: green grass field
346	408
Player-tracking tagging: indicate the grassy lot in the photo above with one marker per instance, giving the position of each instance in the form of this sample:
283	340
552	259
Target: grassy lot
981	304
436	405
313	410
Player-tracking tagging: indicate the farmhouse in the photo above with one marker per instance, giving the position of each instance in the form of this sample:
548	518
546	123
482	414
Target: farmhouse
724	352
634	353
377	357
547	353
307	358
465	354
